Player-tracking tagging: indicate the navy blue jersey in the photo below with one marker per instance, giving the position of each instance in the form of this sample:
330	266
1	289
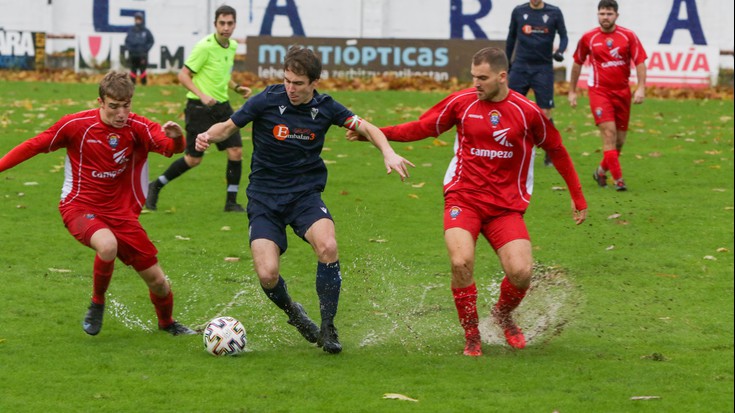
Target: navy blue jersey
288	139
535	30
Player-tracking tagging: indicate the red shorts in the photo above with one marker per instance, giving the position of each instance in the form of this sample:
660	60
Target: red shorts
499	226
134	248
611	106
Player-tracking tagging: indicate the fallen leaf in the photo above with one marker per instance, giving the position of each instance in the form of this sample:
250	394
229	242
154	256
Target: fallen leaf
225	228
610	248
396	396
655	154
419	185
59	270
558	188
719	190
645	397
30	183
613	216
378	240
709	257
179	237
439	142
722	249
414	196
232	259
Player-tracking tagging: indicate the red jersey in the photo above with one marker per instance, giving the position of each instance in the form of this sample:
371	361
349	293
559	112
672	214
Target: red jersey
106	168
611	55
494	146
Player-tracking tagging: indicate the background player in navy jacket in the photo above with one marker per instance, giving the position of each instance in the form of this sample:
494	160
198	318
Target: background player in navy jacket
533	27
290	122
139	41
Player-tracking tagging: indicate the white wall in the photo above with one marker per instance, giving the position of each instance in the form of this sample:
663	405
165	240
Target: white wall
408	19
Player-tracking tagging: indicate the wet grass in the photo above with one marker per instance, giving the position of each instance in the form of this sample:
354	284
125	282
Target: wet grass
638	301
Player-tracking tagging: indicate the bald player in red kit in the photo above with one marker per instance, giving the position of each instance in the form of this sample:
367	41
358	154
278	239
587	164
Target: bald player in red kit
488	185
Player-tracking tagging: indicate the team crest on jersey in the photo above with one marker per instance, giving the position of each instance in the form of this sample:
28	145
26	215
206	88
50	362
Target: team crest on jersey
90	216
545	18
113	140
494	117
314	112
609	42
598	112
454	212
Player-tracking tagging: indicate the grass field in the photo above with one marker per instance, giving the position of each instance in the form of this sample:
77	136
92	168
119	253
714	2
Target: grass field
630	312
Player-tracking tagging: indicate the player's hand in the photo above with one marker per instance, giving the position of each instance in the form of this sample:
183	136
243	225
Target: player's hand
395	162
244	91
558	57
202	142
172	130
579	214
572	97
354	136
639	96
209	101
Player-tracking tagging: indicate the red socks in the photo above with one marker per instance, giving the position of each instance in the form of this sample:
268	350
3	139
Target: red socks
164	308
611	162
466	301
102	273
510	296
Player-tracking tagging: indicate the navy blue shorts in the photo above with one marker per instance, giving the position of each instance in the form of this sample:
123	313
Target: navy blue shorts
539	78
269	214
200	117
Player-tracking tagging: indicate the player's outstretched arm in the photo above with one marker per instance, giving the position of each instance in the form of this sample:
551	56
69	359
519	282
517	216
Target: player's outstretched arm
216	133
393	161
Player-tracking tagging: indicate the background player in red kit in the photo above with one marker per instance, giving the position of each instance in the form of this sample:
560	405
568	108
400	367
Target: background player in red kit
611	50
102	195
488	185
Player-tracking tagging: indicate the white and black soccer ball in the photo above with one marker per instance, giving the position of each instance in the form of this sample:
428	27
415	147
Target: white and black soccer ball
224	336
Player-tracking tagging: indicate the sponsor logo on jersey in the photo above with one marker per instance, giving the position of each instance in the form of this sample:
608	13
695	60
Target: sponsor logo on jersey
491	153
323	209
314	112
501	137
120	157
616	53
282	132
113	140
108	174
454	212
281	109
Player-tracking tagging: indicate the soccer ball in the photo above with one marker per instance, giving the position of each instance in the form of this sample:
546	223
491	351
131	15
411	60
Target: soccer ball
224	336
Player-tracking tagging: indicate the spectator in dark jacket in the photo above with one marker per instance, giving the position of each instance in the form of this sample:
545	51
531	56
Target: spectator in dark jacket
138	42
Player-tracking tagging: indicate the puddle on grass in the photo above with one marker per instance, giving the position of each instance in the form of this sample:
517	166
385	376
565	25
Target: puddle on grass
419	317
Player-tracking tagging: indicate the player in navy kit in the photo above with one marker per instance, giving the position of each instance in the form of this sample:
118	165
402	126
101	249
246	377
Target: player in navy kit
533	28
290	121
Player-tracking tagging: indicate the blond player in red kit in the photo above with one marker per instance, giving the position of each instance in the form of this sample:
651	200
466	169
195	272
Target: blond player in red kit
103	191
